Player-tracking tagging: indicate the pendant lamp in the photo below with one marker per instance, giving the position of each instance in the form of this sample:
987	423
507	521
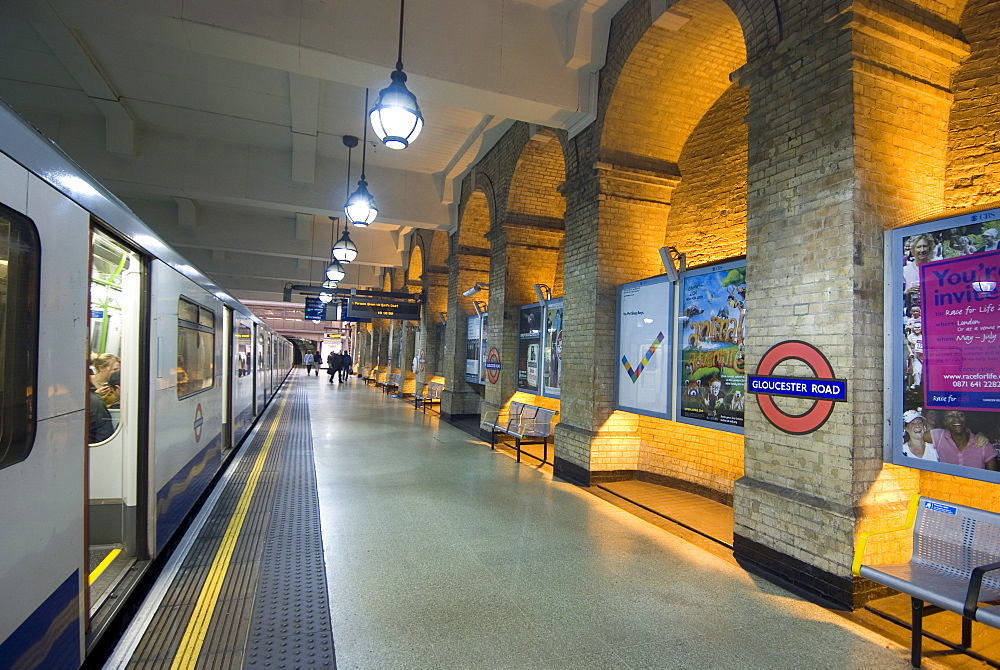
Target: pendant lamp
360	207
396	117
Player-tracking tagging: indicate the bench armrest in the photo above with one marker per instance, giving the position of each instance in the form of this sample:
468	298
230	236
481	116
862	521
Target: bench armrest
524	427
486	417
859	549
975	586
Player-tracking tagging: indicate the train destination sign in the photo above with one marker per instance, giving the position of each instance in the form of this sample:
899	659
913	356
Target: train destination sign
365	307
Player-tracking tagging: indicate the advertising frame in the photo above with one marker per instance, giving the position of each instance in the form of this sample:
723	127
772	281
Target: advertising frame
940	362
551	348
633	354
473	342
724	396
529	347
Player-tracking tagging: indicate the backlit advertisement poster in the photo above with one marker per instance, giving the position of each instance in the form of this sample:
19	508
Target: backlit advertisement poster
645	330
472	354
483	349
944	334
712	373
529	348
552	354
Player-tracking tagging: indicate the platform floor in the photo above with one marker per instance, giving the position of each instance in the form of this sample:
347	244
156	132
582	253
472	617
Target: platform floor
442	553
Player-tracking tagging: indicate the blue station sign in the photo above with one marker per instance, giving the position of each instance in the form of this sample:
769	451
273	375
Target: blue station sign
798	387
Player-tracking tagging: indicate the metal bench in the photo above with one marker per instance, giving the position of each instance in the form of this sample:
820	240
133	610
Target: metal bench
527	424
392	383
372	377
432	396
954	549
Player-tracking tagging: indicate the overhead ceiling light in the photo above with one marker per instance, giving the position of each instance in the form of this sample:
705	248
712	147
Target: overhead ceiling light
344	250
326	298
335	271
360	206
396	117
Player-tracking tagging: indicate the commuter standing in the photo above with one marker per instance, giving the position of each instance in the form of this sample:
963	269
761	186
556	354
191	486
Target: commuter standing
346	366
333	364
308	360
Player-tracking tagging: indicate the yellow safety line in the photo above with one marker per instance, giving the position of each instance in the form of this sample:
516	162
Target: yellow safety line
103	566
194	635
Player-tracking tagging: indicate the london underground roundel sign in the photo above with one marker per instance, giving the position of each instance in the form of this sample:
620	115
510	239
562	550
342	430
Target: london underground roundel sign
825	389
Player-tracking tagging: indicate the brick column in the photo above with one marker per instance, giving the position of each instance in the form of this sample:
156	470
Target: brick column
436	301
847	136
465	268
615	221
520	257
406	358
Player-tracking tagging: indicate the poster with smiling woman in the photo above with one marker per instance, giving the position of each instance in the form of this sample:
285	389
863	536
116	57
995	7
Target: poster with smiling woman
943	309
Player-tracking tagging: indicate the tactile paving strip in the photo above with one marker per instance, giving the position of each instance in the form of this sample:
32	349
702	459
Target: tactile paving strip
291	617
272	610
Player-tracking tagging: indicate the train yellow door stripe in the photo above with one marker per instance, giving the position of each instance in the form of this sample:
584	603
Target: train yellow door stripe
194	634
103	566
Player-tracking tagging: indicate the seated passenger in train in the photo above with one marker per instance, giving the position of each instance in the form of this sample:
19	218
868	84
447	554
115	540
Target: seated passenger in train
102	365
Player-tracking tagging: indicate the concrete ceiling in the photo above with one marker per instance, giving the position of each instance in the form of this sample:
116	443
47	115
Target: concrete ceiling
220	122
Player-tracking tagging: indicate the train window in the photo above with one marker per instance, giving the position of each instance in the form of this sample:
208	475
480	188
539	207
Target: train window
195	348
19	272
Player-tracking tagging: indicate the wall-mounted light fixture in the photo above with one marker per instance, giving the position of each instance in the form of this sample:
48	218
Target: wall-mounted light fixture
544	293
476	288
396	117
674	262
480	307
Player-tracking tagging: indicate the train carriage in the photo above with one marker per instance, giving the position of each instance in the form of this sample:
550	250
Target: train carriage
97	477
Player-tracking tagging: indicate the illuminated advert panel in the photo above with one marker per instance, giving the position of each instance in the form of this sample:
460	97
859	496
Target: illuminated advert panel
712	382
529	355
645	332
942	333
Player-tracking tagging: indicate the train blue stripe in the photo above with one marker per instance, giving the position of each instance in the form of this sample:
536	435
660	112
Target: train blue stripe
50	636
177	497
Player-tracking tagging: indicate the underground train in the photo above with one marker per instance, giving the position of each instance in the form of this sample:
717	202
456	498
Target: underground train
127	379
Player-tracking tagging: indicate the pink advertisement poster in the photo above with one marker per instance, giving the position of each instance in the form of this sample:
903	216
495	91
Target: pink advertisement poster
961	326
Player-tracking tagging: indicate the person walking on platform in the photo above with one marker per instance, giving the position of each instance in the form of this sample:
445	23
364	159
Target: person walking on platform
346	366
308	360
334	362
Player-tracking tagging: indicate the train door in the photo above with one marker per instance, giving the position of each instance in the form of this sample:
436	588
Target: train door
260	377
114	535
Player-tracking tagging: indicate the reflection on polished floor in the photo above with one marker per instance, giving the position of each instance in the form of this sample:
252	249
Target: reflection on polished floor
441	553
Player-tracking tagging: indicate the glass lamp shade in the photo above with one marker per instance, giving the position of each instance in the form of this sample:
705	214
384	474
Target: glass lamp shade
360	206
344	250
335	271
326	298
329	284
396	117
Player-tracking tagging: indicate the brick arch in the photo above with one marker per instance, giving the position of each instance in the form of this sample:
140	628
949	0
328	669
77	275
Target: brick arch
714	164
415	268
437	252
534	196
672	76
972	175
475	221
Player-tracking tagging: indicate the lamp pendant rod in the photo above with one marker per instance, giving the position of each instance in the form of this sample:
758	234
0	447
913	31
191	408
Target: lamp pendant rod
364	147
349	149
399	58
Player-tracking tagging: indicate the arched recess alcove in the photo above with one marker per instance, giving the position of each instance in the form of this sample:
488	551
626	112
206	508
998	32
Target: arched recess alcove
673	164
